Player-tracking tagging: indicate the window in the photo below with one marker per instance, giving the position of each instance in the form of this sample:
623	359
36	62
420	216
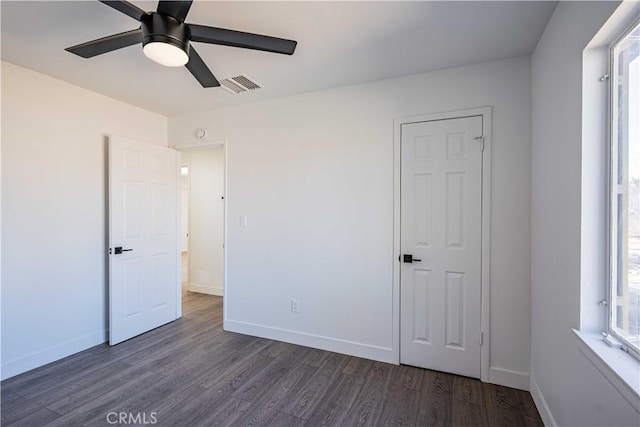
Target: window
624	287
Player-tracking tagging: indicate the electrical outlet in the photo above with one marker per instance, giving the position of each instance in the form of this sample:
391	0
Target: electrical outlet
243	221
295	306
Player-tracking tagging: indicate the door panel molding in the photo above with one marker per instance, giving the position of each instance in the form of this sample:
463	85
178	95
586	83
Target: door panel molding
454	150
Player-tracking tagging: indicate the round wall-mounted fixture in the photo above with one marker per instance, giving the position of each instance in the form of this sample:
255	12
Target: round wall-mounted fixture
201	134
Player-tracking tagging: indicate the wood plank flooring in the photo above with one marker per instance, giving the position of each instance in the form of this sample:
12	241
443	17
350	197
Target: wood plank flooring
192	373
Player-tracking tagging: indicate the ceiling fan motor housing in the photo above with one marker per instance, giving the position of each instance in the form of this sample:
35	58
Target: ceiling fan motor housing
161	28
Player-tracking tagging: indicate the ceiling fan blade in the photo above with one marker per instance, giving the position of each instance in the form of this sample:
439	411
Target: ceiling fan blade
107	44
200	71
204	34
177	9
125	7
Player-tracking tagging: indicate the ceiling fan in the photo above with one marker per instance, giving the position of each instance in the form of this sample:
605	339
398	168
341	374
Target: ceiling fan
166	38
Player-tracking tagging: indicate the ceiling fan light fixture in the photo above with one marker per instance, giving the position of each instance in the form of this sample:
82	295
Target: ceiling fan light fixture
165	54
165	39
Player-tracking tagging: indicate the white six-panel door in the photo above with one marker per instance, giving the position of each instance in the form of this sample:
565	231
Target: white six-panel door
441	225
143	209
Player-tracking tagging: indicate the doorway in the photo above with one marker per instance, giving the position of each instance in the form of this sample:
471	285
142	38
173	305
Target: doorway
441	216
203	200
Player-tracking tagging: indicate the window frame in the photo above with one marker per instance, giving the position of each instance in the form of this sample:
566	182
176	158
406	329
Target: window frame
611	217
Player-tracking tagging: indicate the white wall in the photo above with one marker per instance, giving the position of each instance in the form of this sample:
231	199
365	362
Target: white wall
313	173
568	389
54	213
206	219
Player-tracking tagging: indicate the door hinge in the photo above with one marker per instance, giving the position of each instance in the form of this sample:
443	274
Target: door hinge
481	139
481	339
604	78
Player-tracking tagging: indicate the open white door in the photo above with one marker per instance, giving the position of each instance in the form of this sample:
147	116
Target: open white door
143	237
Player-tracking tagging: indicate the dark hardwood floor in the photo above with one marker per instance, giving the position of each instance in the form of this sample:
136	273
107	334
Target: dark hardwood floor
192	373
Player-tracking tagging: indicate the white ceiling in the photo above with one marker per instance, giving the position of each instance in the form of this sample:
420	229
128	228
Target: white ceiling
339	44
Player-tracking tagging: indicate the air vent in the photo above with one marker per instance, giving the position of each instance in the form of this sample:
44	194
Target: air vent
232	87
239	84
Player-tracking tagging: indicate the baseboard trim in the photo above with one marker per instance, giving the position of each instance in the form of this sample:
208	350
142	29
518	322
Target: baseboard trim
51	354
366	351
210	290
541	404
509	378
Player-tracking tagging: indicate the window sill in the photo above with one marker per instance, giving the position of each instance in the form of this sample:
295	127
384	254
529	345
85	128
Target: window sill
619	368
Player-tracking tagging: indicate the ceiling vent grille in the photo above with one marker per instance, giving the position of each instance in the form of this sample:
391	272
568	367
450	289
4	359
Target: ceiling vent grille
239	84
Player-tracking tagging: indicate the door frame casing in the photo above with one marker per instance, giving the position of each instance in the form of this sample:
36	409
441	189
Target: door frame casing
221	143
485	300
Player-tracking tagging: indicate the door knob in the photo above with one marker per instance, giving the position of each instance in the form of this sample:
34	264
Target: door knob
409	258
118	250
